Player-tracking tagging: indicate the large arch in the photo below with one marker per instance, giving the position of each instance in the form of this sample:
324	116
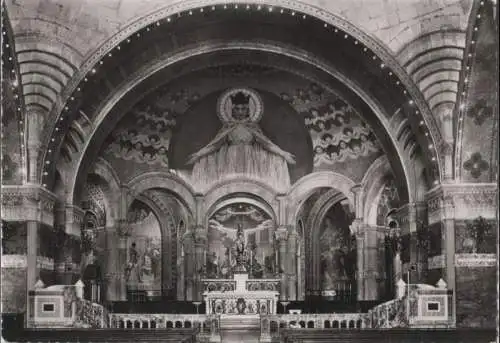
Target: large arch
305	186
372	186
163	180
330	19
208	48
233	187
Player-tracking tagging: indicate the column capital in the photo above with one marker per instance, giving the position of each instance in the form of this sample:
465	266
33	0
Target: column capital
281	234
357	228
462	201
356	189
123	228
28	202
200	235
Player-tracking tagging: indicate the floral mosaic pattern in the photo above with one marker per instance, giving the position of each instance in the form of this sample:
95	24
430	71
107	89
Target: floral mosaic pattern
480	111
475	165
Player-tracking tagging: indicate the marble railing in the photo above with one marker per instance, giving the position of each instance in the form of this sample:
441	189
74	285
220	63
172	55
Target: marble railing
390	314
157	320
218	285
320	320
263	285
207	326
91	315
418	306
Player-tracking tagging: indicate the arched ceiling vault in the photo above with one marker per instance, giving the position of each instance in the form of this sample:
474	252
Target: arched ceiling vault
336	41
378	78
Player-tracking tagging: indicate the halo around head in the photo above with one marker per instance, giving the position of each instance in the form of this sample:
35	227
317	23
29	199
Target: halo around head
225	104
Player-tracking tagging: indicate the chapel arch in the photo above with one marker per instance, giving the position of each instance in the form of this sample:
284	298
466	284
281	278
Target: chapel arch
294	52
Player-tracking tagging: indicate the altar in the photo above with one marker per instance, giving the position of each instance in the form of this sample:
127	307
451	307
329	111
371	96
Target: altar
241	296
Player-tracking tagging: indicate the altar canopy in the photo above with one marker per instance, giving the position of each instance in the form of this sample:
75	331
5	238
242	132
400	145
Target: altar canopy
255	227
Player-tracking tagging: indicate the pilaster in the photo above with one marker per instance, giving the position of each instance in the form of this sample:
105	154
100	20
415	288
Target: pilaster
369	259
281	236
456	209
200	252
292	263
188	243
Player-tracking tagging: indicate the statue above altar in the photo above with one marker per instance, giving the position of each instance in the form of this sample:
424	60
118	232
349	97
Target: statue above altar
239	246
240	148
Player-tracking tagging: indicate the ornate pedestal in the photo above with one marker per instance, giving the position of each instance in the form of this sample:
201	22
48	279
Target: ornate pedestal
240	300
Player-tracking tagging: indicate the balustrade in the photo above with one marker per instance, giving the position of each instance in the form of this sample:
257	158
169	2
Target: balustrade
159	321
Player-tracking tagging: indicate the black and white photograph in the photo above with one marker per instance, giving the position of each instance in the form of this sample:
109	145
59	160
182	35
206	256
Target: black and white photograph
249	171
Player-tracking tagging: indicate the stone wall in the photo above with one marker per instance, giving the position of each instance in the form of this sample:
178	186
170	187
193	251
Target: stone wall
13	290
476	290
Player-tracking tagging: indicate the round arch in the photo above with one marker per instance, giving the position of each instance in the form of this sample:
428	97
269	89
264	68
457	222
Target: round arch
230	188
372	186
106	172
188	7
163	180
306	185
378	49
287	51
316	217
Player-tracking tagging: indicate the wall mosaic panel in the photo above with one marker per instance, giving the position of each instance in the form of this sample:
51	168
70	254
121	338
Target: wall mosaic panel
479	149
341	141
14	238
222	235
475	236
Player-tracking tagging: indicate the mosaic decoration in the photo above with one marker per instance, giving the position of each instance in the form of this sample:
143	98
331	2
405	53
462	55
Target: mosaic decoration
337	263
475	165
143	269
389	199
337	132
144	135
476	236
480	111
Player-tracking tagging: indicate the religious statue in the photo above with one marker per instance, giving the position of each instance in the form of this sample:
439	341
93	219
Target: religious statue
240	147
240	250
132	263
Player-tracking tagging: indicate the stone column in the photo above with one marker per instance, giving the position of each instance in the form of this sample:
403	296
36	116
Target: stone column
189	265
292	263
34	122
448	234
123	234
32	271
200	251
357	229
281	236
368	258
114	271
181	274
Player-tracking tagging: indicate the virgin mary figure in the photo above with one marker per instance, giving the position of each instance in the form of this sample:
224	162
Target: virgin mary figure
240	148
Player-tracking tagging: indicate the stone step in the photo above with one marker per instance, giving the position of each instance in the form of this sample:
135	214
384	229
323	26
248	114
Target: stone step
239	322
240	336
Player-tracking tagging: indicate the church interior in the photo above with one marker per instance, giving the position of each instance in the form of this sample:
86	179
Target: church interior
249	171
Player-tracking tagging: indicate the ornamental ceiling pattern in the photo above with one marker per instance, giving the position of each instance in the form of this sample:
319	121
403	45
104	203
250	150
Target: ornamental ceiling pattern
338	134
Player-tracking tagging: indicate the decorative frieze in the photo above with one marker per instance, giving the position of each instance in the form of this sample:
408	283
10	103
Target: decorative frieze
475	260
436	262
14	261
462	201
28	203
45	263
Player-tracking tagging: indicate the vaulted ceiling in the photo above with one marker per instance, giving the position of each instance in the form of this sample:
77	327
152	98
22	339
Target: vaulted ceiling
84	65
